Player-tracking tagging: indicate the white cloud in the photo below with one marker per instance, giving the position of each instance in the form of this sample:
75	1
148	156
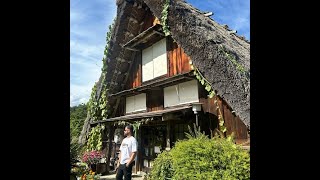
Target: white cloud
84	72
89	21
80	93
89	51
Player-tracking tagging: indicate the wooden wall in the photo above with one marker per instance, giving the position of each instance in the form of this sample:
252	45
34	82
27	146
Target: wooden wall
135	76
121	110
232	122
155	100
150	20
178	63
178	60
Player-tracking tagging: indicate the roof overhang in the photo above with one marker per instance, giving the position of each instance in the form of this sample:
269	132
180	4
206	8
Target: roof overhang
145	39
155	84
146	114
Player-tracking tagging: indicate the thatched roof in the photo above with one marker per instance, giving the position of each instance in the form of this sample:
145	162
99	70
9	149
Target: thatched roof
198	35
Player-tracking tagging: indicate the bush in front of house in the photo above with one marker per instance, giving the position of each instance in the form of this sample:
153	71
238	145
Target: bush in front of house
203	158
162	166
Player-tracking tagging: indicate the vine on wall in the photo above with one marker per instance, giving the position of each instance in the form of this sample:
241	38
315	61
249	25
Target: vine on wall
208	85
220	117
136	125
92	104
197	73
95	138
211	92
98	105
164	18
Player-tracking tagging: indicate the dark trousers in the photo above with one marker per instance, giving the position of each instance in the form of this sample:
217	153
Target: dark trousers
124	171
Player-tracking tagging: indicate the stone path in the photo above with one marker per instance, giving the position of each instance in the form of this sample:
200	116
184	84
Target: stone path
113	177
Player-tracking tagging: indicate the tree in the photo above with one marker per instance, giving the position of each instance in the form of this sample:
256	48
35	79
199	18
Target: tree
78	115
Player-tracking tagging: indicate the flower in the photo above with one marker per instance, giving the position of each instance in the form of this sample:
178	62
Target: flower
92	157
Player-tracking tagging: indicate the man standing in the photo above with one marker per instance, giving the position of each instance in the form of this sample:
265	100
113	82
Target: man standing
128	152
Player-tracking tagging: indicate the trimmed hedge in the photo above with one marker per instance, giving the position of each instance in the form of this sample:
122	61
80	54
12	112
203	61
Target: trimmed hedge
162	166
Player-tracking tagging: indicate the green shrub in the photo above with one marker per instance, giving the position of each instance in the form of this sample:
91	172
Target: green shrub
202	158
162	167
74	152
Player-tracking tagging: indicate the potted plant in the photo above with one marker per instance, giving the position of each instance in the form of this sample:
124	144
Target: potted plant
92	158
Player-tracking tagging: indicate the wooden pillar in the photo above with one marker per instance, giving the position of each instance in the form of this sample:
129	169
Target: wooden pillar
109	147
103	168
139	139
168	138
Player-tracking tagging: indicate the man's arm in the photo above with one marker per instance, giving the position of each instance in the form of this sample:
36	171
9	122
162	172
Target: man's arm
133	155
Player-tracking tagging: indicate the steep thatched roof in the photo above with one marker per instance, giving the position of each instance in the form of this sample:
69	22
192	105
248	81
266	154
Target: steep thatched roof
199	36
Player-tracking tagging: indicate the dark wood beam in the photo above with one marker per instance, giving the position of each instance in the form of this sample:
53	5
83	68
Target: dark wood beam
146	114
155	84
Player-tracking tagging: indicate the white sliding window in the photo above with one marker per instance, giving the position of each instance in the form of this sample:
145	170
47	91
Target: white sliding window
136	103
182	93
154	60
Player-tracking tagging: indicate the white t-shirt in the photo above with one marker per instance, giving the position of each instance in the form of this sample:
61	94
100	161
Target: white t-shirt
128	146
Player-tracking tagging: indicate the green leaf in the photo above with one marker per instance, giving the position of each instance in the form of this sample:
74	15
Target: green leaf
195	73
224	129
198	77
208	87
202	81
211	94
221	123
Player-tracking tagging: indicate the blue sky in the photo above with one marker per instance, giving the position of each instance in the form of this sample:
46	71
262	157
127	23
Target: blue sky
89	21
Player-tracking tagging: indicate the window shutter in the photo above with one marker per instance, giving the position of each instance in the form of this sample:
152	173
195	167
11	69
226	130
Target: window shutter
130	104
147	64
140	102
159	58
171	96
188	92
154	61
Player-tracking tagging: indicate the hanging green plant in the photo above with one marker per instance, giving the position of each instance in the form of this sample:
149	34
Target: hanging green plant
211	93
92	103
203	81
136	127
220	117
164	18
95	138
98	105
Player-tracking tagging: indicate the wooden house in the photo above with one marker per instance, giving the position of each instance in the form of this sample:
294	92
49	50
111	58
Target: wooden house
150	78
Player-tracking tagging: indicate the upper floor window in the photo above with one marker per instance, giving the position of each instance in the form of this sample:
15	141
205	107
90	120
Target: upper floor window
154	61
182	93
136	103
